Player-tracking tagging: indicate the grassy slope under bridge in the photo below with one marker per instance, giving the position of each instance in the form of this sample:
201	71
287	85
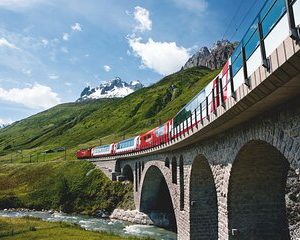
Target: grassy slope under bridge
69	186
32	228
77	125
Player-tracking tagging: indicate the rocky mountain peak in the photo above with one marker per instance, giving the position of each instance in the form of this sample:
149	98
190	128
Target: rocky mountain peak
213	58
115	88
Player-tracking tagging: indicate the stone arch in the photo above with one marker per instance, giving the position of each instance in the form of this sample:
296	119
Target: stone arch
156	199
256	193
203	201
128	173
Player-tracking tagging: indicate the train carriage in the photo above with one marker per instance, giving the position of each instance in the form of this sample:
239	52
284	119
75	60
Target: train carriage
128	145
189	115
225	81
100	151
156	136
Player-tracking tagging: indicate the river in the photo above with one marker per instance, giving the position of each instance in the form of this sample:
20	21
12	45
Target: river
97	224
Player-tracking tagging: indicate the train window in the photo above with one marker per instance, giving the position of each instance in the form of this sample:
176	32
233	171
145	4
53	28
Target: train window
266	8
252	44
273	17
237	65
160	131
126	143
250	31
149	135
101	149
236	52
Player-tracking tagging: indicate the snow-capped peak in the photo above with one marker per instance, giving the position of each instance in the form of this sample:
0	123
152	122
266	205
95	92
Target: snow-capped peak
136	85
115	88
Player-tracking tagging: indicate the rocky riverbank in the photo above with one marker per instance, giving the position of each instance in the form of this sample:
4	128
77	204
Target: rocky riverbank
132	216
89	223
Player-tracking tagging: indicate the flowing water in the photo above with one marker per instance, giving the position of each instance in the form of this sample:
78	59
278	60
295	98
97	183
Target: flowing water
98	224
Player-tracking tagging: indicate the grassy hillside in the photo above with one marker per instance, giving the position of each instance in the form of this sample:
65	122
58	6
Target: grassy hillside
79	125
69	186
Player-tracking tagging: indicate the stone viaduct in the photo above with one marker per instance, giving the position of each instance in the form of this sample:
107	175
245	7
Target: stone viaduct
226	178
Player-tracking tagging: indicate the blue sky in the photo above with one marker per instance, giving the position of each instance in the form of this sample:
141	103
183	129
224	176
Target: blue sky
51	49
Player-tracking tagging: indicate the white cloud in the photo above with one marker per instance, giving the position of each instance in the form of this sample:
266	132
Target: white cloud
36	97
197	6
68	84
162	57
142	17
45	42
106	68
5	43
53	77
66	36
76	27
4	122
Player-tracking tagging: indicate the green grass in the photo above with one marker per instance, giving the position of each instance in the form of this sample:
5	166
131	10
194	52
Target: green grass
33	229
69	186
80	125
31	179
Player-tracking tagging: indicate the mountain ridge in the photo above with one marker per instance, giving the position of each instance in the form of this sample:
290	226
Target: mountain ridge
116	88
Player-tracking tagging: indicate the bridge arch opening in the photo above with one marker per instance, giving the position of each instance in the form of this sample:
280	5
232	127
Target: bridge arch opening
156	200
128	173
181	183
203	201
167	162
174	170
256	194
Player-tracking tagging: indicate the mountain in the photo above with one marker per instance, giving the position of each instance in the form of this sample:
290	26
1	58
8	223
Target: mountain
115	88
89	123
213	58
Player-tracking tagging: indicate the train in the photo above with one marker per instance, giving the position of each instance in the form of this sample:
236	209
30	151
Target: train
204	103
267	31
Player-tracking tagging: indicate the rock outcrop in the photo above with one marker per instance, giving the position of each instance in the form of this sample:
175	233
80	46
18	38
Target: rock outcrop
213	58
133	216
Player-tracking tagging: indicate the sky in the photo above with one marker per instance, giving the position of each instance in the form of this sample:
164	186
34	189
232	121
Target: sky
50	50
